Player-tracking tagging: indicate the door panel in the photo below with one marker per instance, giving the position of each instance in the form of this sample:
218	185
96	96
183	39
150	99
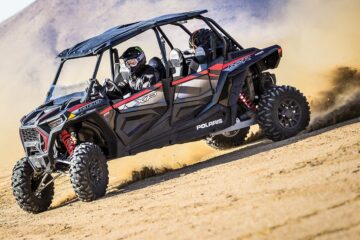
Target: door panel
138	113
131	126
193	93
188	110
193	89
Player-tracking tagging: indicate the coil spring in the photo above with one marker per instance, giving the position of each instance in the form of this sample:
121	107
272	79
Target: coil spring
246	101
67	140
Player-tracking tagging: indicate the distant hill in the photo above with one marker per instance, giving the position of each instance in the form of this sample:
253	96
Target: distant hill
31	39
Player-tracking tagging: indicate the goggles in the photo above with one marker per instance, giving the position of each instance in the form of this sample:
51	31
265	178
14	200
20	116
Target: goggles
133	62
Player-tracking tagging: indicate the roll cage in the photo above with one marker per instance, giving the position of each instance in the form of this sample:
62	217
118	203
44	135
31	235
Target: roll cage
94	47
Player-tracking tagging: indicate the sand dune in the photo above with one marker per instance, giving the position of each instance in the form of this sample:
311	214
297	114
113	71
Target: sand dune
306	187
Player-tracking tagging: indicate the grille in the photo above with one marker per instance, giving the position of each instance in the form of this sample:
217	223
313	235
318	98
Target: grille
30	135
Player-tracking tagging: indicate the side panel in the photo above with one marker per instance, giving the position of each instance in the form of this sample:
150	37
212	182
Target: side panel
161	134
193	90
132	126
138	113
189	110
190	97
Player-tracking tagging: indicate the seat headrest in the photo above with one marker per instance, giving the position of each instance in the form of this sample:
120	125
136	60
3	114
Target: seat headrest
200	55
156	63
176	57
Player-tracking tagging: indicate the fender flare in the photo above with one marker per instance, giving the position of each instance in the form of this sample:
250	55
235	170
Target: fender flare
94	117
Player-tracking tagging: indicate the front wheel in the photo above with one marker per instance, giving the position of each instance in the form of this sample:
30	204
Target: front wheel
89	173
25	182
283	112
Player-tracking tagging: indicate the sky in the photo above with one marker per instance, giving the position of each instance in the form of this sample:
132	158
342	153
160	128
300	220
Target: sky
11	7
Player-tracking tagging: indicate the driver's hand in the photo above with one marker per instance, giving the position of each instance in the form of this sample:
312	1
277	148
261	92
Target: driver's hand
108	86
125	88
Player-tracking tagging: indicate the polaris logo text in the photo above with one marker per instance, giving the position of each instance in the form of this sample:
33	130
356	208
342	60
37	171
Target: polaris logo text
209	124
238	63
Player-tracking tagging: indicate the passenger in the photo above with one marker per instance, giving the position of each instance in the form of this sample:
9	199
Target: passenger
201	38
201	42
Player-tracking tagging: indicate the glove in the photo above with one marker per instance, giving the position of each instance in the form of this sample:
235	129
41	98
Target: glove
124	87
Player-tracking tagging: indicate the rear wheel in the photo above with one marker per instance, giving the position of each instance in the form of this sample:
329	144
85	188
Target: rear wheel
283	112
89	173
25	182
229	139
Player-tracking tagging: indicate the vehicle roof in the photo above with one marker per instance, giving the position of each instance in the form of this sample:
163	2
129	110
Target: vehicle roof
116	35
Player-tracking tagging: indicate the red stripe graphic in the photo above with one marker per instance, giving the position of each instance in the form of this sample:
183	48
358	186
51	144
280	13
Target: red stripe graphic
77	107
236	60
191	77
218	66
131	98
185	79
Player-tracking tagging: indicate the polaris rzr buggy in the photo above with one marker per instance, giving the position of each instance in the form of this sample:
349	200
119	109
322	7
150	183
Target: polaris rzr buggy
217	99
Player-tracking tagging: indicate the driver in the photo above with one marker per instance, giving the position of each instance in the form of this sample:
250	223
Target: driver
141	75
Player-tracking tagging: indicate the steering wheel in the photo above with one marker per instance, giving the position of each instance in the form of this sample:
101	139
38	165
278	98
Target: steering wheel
114	85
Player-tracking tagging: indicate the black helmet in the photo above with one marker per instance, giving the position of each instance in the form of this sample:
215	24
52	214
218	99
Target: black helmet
201	37
134	58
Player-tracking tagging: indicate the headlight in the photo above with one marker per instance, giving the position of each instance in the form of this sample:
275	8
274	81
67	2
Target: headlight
56	122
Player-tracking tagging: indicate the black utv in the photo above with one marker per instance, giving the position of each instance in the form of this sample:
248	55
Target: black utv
214	92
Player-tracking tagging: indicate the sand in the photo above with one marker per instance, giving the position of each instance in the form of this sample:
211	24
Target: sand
307	187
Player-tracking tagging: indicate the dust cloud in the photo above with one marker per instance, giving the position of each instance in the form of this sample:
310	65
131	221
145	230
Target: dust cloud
340	102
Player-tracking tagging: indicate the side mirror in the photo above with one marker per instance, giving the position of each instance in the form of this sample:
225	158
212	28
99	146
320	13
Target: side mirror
176	61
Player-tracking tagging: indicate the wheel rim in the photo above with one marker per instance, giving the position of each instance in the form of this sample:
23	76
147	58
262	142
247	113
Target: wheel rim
231	133
289	113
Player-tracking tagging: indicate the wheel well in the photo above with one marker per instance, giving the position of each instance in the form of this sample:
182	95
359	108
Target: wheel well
261	80
92	131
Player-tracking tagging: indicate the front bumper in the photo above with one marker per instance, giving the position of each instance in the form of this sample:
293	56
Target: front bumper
39	162
34	140
35	143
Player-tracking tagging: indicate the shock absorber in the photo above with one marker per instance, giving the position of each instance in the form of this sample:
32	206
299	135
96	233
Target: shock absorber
246	101
68	141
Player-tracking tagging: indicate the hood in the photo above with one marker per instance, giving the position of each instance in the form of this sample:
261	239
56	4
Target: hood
50	110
